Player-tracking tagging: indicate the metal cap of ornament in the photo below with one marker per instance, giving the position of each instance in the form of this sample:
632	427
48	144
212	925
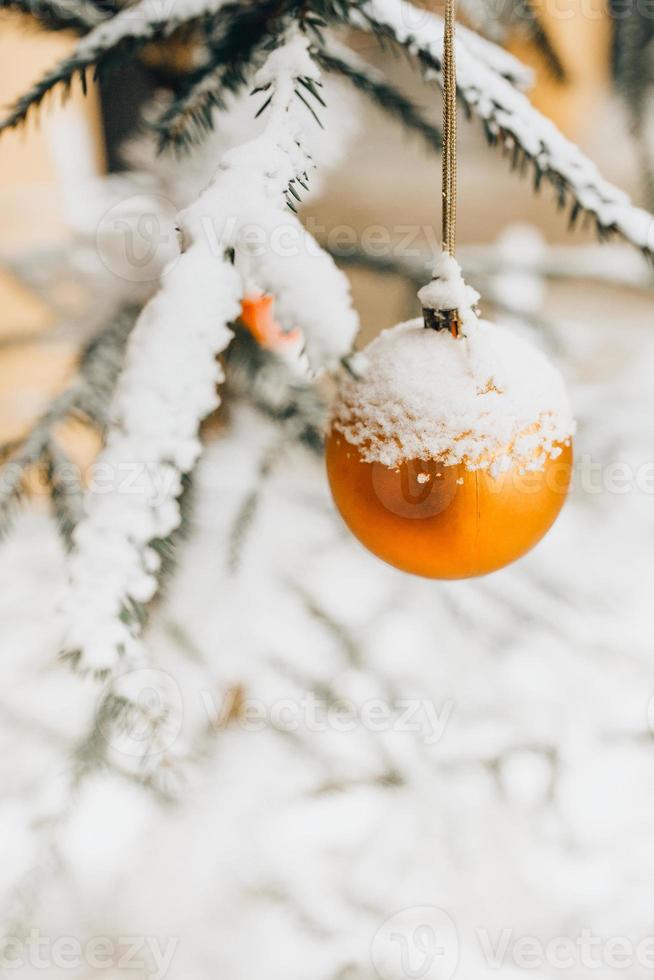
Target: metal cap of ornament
436	318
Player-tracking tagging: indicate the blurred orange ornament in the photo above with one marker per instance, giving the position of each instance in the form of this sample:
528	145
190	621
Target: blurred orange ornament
257	314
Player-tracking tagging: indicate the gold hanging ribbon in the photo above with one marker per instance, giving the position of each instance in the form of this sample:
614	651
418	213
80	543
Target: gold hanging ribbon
449	131
444	319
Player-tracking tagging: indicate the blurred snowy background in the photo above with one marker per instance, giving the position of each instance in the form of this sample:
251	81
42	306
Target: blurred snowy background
365	775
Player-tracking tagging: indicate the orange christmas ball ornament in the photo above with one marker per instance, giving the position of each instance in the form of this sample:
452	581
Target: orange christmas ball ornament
450	454
445	521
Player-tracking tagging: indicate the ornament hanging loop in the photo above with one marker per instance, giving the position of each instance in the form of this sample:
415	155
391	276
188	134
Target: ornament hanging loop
439	319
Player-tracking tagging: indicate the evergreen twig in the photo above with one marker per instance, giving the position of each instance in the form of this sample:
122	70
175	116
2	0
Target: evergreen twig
189	117
263	378
246	514
87	398
66	493
414	272
389	99
112	47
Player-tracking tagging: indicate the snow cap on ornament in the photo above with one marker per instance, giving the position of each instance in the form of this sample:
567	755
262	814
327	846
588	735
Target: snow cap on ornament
456	388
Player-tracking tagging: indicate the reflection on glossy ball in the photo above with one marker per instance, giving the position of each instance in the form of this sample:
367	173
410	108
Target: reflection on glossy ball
443	521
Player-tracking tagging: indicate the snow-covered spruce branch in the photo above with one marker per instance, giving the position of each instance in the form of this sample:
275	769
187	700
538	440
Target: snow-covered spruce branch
488	80
424	31
169	382
510	120
59	15
128	30
224	71
88	398
167	387
108	38
190	116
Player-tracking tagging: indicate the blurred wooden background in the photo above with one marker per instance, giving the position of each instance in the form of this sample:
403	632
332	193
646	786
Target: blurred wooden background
40	166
